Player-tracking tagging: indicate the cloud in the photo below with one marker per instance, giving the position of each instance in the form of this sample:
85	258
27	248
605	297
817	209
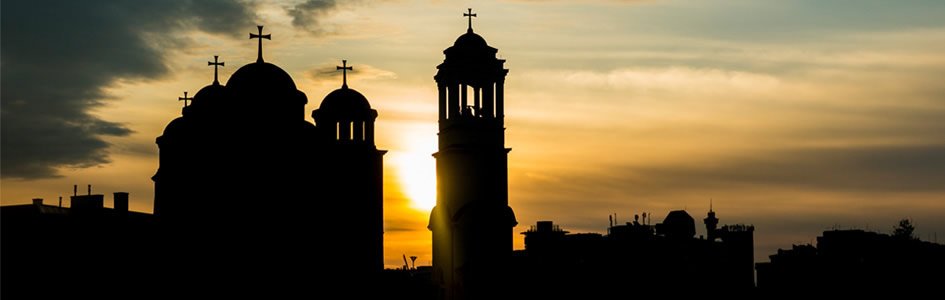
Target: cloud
597	1
306	15
329	73
58	56
655	79
900	168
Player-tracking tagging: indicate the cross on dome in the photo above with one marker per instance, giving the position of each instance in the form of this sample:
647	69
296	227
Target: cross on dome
344	72
185	98
469	14
216	65
260	36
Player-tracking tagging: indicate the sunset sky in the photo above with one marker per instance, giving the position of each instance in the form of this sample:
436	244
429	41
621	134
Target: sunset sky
794	116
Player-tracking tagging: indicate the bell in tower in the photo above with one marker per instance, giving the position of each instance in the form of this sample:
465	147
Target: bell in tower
472	221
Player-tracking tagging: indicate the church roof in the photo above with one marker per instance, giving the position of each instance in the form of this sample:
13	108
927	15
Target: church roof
261	78
176	127
471	59
471	44
209	95
470	40
345	100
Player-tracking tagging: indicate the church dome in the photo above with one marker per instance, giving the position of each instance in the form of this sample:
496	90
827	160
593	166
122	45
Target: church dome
209	95
260	78
470	59
176	127
470	40
345	100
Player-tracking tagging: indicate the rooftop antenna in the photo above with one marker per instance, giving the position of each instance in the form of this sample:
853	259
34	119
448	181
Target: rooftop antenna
611	219
90	189
60	200
710	204
75	190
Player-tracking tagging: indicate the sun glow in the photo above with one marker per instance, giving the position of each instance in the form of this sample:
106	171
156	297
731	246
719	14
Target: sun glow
417	172
415	166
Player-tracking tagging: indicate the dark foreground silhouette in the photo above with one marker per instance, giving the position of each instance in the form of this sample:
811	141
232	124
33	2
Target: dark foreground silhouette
253	201
249	197
856	261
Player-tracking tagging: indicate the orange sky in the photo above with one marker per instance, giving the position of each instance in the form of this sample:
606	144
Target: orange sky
793	116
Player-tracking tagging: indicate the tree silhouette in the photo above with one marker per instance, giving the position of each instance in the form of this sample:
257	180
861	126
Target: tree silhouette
904	230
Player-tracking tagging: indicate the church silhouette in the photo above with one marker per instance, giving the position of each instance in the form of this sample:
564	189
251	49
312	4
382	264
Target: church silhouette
243	173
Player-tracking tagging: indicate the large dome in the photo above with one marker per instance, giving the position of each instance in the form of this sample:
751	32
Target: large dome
345	100
261	77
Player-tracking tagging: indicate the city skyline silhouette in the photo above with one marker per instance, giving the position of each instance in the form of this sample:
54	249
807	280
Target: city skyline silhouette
581	159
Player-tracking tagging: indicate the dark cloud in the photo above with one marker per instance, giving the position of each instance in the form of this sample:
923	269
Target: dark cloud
305	15
329	73
597	1
57	57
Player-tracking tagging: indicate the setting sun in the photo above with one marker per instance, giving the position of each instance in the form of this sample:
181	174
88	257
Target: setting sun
417	172
412	158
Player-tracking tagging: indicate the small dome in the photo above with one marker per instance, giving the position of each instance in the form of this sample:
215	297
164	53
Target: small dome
470	40
470	59
209	95
261	78
345	100
176	127
677	224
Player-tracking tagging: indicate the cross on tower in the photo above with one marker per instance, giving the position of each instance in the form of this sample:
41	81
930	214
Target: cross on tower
185	98
470	14
344	72
216	65
260	36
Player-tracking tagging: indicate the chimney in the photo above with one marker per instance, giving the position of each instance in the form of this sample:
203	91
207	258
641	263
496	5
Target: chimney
75	190
38	201
90	189
121	202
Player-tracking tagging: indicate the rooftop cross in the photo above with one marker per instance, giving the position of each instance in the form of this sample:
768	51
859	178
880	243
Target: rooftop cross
185	98
216	64
470	14
260	36
344	72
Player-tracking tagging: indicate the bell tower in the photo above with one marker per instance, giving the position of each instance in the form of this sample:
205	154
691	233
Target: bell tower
472	221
